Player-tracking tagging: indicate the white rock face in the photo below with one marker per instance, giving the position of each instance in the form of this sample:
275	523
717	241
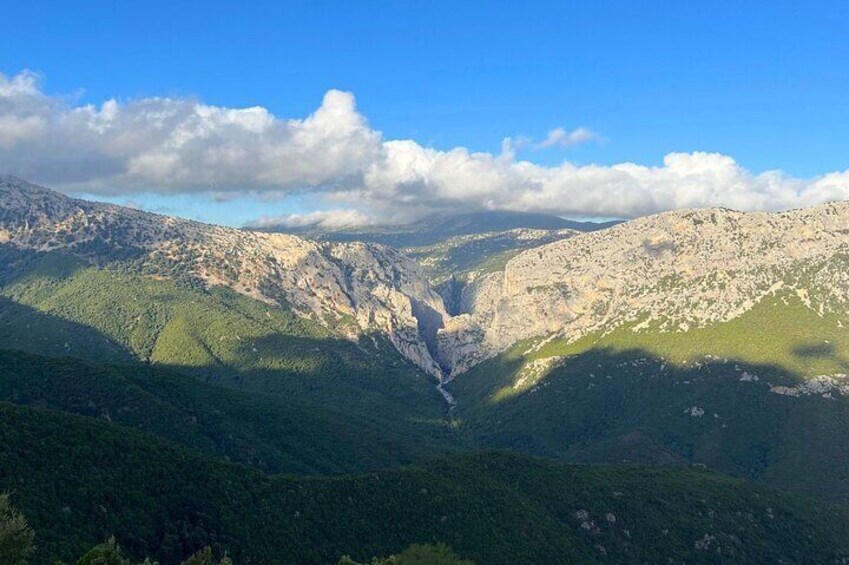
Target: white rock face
350	288
672	272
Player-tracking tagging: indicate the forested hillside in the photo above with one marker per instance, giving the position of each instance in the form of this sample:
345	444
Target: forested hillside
80	480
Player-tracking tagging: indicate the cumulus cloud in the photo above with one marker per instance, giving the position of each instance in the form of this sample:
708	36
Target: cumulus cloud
334	219
180	145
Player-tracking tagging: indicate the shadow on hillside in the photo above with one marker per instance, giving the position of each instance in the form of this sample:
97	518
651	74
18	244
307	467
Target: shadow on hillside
368	379
27	329
626	406
383	410
821	350
19	264
232	425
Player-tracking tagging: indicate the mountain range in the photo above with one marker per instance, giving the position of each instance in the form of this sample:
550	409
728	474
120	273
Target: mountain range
437	228
388	359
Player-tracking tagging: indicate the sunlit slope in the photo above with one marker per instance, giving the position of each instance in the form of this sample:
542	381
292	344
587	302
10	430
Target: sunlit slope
469	256
676	271
79	479
346	289
761	396
55	304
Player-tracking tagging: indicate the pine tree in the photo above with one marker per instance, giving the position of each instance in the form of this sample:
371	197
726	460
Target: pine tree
416	554
16	537
107	553
205	557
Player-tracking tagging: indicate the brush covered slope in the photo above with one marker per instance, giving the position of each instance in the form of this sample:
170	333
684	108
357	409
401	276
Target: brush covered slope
764	396
708	337
79	479
347	289
61	305
237	426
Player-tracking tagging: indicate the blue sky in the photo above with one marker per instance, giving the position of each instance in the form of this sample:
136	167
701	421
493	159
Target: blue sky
762	82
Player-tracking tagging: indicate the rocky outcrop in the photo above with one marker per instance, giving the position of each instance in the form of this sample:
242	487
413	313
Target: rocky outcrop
671	272
348	288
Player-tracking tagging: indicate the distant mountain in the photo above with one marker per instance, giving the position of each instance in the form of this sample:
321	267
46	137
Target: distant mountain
440	227
459	246
463	258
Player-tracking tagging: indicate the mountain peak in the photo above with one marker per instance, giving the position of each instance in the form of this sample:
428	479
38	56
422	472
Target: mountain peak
11	180
10	184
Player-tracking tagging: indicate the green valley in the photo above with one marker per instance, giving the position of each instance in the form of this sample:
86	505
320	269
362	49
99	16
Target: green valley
182	386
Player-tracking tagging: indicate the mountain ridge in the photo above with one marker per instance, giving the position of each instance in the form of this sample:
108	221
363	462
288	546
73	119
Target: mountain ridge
673	270
685	269
435	228
351	288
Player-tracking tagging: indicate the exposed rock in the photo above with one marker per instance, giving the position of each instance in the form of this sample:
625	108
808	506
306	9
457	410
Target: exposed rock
670	272
821	385
350	288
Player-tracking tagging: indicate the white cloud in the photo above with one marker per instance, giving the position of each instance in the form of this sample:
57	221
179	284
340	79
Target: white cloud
175	145
344	218
180	145
561	138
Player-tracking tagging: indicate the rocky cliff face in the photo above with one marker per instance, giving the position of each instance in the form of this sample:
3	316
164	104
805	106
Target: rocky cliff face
671	272
350	288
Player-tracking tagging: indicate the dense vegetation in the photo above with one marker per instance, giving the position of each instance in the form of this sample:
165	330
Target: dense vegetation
233	425
703	397
57	305
16	537
164	413
80	480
